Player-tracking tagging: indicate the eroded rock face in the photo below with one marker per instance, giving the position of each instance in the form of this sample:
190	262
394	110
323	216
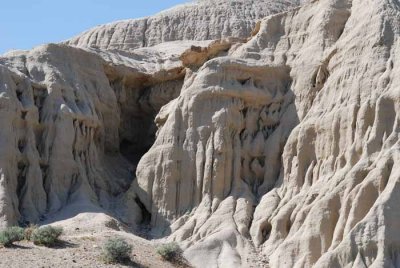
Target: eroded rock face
280	149
200	20
78	122
57	134
329	199
80	119
226	114
228	128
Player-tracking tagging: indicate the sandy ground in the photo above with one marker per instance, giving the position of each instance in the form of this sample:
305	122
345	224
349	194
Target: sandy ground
81	246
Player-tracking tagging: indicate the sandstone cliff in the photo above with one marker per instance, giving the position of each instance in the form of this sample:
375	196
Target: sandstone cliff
240	171
280	149
198	20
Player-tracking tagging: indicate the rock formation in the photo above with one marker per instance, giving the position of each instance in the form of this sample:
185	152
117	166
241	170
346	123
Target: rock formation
265	144
199	20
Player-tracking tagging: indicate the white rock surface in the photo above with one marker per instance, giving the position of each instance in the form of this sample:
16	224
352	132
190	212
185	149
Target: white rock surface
324	191
279	150
77	115
197	20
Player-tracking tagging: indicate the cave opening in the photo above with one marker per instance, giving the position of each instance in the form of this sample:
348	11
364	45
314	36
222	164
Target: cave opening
140	99
137	135
138	109
131	151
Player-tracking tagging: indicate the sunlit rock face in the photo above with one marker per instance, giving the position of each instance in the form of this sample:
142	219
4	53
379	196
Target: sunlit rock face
287	145
80	119
253	133
197	20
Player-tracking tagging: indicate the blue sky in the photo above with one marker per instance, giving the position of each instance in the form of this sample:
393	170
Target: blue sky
28	23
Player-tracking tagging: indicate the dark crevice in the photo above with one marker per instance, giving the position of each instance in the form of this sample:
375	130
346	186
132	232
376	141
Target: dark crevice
133	151
39	97
288	226
44	168
23	115
21	186
244	81
146	215
19	95
21	145
21	177
266	231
